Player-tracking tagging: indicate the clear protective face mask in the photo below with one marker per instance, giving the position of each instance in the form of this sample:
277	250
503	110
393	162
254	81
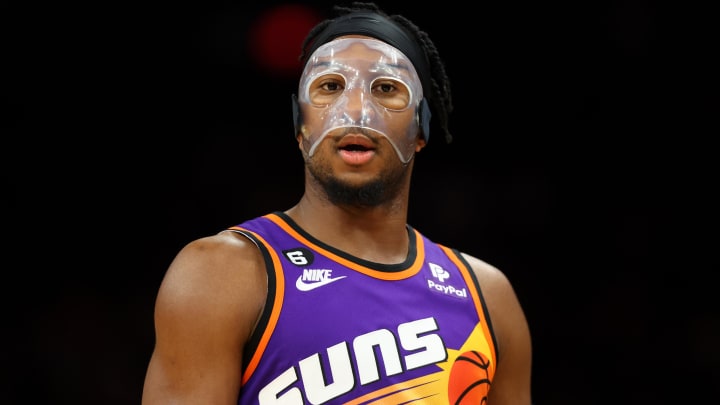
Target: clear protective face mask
360	83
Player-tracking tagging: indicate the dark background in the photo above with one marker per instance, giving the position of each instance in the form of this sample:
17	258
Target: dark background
583	165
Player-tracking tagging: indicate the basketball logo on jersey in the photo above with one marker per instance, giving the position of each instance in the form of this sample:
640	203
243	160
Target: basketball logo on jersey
442	275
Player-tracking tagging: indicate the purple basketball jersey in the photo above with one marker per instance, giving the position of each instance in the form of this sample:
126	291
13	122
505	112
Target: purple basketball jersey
340	330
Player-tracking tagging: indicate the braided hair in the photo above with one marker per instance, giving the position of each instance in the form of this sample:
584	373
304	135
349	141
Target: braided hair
439	97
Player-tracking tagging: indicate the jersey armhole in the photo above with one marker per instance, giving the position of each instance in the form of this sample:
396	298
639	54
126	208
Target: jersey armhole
485	315
251	350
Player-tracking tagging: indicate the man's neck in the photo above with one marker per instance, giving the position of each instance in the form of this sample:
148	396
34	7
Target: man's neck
378	234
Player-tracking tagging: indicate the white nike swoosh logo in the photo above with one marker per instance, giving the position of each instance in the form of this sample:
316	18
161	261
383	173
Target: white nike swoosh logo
303	286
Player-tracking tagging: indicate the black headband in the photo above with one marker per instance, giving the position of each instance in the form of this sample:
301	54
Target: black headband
377	26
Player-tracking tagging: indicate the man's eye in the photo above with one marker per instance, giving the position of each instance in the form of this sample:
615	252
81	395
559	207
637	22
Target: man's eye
331	86
385	87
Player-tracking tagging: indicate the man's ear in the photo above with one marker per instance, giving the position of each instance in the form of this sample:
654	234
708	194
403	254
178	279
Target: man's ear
420	144
297	124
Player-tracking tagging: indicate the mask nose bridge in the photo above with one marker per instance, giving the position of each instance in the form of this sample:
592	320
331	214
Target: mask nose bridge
357	104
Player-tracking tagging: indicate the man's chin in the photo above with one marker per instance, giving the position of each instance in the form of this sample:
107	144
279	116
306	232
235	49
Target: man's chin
355	192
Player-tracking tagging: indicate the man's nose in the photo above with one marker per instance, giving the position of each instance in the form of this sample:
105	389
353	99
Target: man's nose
358	108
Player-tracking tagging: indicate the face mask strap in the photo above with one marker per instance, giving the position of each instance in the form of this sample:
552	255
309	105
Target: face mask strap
424	115
297	117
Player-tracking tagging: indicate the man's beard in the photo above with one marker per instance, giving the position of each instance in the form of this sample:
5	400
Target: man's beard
370	194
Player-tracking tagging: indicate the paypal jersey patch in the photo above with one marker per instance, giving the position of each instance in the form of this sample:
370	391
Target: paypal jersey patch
440	282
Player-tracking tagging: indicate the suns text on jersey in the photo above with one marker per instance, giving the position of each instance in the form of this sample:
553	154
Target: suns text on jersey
415	338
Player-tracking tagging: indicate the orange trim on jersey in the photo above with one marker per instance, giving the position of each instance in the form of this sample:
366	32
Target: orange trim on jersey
413	269
276	306
476	299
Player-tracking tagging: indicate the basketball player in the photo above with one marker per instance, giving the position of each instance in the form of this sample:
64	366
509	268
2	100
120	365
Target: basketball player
337	300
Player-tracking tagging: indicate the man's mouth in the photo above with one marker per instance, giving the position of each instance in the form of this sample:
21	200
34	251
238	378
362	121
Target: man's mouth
356	143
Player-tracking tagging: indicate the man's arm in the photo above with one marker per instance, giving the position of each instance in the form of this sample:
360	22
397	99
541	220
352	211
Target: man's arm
511	384
206	307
